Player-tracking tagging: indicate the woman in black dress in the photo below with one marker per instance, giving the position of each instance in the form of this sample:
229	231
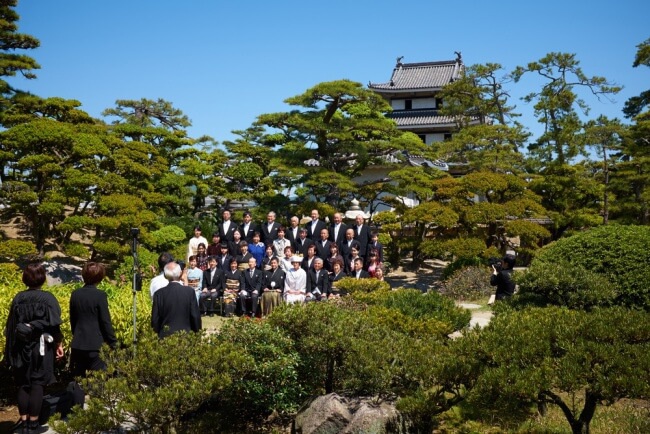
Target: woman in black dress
90	321
33	340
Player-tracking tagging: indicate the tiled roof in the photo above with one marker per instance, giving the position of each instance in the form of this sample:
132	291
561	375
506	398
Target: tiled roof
405	118
427	75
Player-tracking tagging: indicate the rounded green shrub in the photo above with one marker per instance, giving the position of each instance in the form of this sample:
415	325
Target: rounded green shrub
469	283
352	285
167	237
76	249
565	284
15	249
619	253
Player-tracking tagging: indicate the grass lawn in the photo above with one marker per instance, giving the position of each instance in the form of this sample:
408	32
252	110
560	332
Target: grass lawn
214	323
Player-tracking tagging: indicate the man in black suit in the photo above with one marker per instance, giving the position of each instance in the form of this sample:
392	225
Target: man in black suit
346	245
301	245
292	232
315	226
270	229
251	287
361	234
318	283
227	227
248	228
174	306
213	282
90	321
359	272
337	229
323	245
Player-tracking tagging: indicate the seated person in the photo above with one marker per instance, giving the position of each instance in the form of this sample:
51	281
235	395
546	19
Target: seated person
233	285
295	282
336	275
318	282
194	276
251	288
212	286
359	272
273	287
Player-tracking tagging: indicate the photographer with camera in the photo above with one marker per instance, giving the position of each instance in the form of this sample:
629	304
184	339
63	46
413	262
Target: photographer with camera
502	276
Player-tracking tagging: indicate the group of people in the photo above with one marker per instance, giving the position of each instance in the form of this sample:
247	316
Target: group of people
34	339
249	265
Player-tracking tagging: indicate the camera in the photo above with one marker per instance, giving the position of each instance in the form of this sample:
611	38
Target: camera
495	262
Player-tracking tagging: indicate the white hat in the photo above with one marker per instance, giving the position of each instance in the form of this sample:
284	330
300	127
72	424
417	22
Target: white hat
296	259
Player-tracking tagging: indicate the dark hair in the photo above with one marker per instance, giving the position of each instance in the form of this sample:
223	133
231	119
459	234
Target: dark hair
193	258
247	213
243	244
216	234
256	234
197	228
164	259
223	246
34	275
337	261
281	228
510	260
93	272
233	260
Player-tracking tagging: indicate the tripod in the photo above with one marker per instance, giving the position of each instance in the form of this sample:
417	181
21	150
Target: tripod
137	283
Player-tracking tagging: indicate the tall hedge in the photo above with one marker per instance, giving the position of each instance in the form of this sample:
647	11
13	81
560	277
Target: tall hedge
619	253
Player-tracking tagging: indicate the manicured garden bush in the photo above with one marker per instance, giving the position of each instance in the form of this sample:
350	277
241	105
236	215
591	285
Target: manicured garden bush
352	285
419	306
565	284
158	386
270	383
540	356
16	249
469	283
619	253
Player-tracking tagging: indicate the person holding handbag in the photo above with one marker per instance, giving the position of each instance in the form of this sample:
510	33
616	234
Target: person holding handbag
33	341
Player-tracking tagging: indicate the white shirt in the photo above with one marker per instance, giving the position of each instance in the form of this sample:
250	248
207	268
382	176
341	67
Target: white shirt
156	283
193	246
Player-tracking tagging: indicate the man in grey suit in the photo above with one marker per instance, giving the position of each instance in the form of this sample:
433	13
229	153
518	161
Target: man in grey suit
174	306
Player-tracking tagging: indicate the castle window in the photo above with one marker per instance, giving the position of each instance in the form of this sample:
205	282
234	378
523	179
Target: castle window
408	104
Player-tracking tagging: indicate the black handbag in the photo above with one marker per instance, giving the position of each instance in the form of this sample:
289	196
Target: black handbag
25	332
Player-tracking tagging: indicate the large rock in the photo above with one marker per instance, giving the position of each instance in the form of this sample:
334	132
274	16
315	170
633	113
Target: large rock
326	414
59	271
370	417
330	414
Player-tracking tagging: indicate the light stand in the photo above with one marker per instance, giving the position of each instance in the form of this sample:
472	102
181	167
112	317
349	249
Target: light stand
137	282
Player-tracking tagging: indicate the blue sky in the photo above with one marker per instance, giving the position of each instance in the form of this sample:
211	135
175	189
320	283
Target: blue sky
223	63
